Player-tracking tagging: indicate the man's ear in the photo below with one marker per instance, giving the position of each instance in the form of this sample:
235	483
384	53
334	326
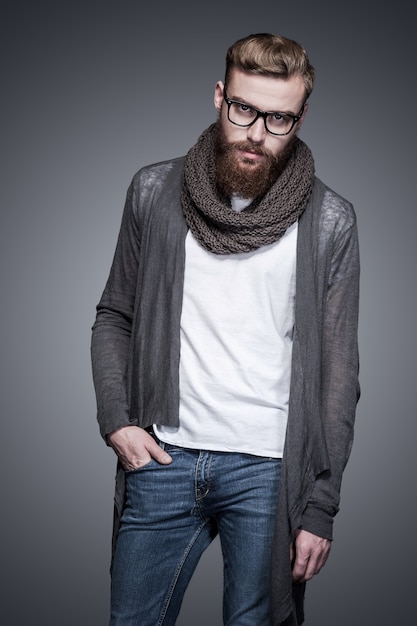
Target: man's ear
301	120
218	95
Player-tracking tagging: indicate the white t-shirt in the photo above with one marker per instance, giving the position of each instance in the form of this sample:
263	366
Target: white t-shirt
236	346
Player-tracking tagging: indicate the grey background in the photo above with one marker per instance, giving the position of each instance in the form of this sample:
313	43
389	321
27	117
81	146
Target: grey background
88	94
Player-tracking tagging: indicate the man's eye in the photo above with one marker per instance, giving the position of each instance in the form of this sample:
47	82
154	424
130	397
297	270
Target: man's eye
244	108
278	120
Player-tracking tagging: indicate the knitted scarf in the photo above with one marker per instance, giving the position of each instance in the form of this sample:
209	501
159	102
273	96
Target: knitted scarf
220	229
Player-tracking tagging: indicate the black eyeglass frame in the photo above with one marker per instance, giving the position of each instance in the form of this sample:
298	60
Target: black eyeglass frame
263	114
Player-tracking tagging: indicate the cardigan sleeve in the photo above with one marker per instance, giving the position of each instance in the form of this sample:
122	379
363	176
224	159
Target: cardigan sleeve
136	332
339	380
111	333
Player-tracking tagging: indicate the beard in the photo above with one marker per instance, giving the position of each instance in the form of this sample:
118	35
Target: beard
244	177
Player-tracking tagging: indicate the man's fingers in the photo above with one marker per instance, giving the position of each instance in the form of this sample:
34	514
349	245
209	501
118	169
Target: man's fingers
158	453
299	570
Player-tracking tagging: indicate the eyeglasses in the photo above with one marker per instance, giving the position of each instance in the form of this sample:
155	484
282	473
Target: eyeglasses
245	115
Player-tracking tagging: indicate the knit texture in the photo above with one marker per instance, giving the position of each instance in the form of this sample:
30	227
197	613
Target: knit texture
219	228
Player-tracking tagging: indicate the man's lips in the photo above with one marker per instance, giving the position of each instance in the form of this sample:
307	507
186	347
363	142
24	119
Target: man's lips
248	155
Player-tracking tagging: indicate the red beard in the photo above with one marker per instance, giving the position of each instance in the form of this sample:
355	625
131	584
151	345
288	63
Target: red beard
246	177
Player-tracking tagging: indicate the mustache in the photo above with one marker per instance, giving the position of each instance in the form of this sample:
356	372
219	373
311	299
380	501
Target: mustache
246	146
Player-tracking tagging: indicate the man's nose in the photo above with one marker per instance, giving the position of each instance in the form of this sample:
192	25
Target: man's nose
257	132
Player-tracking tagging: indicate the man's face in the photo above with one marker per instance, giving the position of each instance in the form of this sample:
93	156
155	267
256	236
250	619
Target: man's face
250	157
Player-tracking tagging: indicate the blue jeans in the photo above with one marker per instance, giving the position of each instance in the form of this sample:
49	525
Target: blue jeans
171	515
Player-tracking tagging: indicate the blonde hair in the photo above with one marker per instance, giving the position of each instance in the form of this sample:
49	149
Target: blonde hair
271	55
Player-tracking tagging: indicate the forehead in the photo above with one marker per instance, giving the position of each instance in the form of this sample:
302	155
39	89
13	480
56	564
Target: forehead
267	92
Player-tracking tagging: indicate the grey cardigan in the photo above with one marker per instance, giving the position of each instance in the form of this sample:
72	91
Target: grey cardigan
136	349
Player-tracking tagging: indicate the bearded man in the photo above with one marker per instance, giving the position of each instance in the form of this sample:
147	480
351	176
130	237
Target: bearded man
225	356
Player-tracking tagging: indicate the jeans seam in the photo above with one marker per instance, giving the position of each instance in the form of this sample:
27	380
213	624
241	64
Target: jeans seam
203	466
177	574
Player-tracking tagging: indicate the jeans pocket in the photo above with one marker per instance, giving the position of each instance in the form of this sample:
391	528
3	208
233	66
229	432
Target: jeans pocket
137	470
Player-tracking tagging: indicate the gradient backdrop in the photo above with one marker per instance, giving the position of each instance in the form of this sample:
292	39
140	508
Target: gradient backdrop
91	92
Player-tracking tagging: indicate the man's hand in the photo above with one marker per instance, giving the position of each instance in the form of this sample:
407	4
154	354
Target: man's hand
308	555
135	447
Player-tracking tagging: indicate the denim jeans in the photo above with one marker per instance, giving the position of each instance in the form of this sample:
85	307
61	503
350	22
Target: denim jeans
171	515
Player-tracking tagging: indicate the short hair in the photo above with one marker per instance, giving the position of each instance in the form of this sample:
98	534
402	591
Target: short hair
270	55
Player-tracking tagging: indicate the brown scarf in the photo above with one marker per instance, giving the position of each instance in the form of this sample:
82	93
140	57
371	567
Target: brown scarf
219	228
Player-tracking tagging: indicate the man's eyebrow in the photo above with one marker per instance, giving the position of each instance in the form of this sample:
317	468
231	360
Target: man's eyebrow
249	104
